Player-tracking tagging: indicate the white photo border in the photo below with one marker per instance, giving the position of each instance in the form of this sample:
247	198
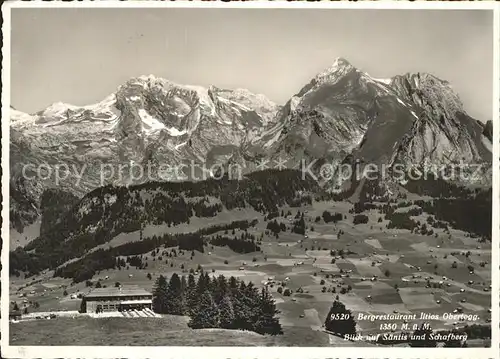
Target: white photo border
178	352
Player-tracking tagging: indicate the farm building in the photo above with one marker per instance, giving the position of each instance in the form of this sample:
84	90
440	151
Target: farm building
116	299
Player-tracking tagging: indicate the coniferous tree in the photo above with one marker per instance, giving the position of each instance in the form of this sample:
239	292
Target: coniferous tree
226	312
241	307
191	282
299	226
203	283
184	284
267	322
217	303
191	294
253	302
212	285
160	295
174	296
246	306
206	314
220	289
340	320
233	285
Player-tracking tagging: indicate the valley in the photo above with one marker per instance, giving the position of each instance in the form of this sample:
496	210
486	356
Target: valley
372	269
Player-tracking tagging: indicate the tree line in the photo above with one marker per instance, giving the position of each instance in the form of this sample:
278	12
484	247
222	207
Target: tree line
54	203
238	245
217	302
85	268
473	215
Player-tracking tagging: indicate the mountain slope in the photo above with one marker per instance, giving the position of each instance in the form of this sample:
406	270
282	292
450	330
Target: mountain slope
444	132
407	119
328	117
146	119
108	211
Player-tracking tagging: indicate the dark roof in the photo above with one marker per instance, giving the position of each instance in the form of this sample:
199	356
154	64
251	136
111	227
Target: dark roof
125	291
15	312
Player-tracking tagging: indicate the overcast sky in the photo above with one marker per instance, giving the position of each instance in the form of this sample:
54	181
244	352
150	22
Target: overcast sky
79	56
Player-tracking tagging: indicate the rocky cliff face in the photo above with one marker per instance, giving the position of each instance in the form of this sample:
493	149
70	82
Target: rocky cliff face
443	132
409	119
342	114
145	120
330	117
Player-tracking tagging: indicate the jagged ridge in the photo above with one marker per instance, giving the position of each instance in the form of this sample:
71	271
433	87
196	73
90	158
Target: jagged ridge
343	113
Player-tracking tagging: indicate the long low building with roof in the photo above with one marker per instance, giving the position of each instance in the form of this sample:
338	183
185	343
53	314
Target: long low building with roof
116	299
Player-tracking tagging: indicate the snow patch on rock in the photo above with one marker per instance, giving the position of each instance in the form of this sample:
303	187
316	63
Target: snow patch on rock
205	100
401	102
175	132
149	123
20	119
180	145
272	140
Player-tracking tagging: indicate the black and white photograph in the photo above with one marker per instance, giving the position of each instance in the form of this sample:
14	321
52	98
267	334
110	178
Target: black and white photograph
255	176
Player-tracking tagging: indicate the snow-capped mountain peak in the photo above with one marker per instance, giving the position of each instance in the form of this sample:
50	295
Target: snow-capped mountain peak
338	69
145	119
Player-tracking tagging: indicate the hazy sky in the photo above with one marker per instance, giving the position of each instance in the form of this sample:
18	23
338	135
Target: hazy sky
79	56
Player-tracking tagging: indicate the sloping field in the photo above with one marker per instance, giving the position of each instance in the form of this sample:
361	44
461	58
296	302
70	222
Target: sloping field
379	271
195	224
167	331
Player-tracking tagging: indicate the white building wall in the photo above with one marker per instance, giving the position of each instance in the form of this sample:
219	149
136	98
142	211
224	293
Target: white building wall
111	304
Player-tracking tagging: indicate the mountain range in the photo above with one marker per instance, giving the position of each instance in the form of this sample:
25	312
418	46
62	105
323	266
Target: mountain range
343	114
